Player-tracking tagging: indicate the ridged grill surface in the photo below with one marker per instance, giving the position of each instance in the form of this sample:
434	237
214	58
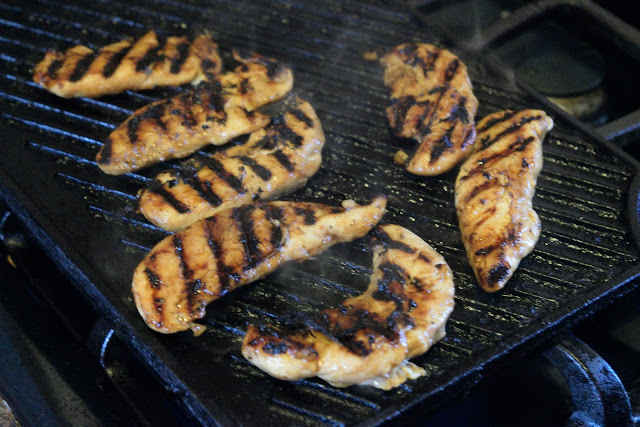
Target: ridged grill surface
47	156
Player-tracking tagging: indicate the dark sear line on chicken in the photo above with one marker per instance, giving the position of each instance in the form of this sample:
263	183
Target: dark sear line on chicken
82	66
213	113
131	64
432	101
236	246
515	127
115	59
494	191
152	55
275	160
369	338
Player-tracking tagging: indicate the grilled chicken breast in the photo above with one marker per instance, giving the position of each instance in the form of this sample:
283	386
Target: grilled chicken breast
150	61
187	270
368	338
275	160
433	103
214	112
494	191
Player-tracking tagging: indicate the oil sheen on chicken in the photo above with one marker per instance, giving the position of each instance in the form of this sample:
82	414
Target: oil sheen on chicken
132	64
214	112
367	339
274	160
433	103
187	270
494	191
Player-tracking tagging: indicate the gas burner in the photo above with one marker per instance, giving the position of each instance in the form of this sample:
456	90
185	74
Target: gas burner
575	53
568	71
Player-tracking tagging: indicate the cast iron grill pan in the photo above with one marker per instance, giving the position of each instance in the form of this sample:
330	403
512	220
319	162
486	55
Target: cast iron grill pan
587	255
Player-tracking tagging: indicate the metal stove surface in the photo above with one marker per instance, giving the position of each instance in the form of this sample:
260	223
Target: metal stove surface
587	199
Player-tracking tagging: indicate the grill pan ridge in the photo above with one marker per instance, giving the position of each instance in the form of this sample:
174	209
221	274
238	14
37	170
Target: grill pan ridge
587	255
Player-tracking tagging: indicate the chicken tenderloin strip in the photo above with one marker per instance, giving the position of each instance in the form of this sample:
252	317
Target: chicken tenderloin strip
133	64
494	191
368	339
214	112
433	103
275	160
189	269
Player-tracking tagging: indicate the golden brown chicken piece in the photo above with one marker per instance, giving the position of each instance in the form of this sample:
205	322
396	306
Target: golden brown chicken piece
275	160
369	338
213	113
494	192
187	270
433	103
150	61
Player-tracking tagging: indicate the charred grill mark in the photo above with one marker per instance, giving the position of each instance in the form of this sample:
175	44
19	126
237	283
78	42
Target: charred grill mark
409	51
273	67
159	305
432	58
179	60
285	133
194	288
154	111
215	245
400	108
519	145
485	251
261	171
208	64
460	112
54	66
114	60
497	120
105	153
393	276
441	145
218	168
332	322
423	126
156	187
478	189
156	283
274	216
215	99
187	274
308	214
204	190
242	216
268	142
284	160
183	110
498	273
274	348
82	66
245	86
152	55
300	115
451	71
487	142
389	243
153	278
